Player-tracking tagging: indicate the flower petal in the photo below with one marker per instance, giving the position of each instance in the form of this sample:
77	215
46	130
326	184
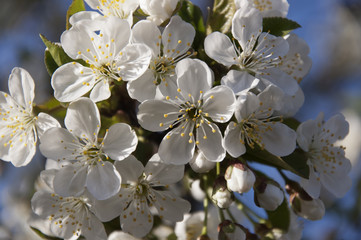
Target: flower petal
239	81
70	180
22	87
175	149
83	119
134	61
155	171
71	81
194	76
232	140
219	103
220	48
142	88
280	140
100	91
210	142
103	181
45	122
120	141
151	114
130	169
148	33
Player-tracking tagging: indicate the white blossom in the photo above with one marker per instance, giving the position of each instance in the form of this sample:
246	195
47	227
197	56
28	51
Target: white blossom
311	209
268	8
143	188
200	164
79	145
327	162
189	115
158	10
19	126
119	8
270	198
168	48
256	125
256	55
104	46
68	217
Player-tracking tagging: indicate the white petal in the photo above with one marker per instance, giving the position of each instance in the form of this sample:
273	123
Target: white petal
71	81
168	87
117	29
59	143
338	127
130	169
280	141
280	79
83	119
22	87
176	149
142	88
177	37
279	46
70	181
246	23
170	206
162	173
140	222
220	48
272	97
117	235
305	133
291	104
312	185
239	81
84	15
21	152
45	122
112	207
103	181
120	141
338	185
100	91
194	76
134	61
246	104
232	143
151	114
42	202
210	142
148	33
93	229
220	107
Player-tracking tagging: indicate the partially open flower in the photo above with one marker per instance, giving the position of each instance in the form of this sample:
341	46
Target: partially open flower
239	178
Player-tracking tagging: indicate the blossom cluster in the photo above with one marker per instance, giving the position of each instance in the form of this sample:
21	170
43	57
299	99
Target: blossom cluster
201	107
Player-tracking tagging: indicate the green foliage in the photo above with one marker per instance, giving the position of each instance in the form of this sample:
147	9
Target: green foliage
280	218
295	162
220	18
279	26
75	6
193	15
55	56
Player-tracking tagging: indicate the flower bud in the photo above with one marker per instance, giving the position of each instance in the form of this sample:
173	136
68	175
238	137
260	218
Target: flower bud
268	195
203	237
200	164
307	207
221	196
230	231
239	178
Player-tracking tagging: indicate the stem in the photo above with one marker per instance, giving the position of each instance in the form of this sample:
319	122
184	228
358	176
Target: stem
205	205
247	209
221	215
231	215
218	168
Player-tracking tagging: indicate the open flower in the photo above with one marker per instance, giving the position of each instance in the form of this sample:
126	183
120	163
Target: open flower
168	48
121	9
104	46
69	217
327	162
143	188
256	55
79	145
256	125
190	114
19	126
269	8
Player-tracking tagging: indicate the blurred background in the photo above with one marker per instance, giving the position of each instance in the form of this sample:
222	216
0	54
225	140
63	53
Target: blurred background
332	28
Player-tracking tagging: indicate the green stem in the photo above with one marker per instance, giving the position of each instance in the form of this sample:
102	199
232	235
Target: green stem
218	168
221	215
205	205
246	209
231	215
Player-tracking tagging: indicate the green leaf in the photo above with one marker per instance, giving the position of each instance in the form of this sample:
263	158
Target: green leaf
220	18
75	6
279	26
292	123
56	51
193	15
280	218
50	63
172	237
43	236
296	162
